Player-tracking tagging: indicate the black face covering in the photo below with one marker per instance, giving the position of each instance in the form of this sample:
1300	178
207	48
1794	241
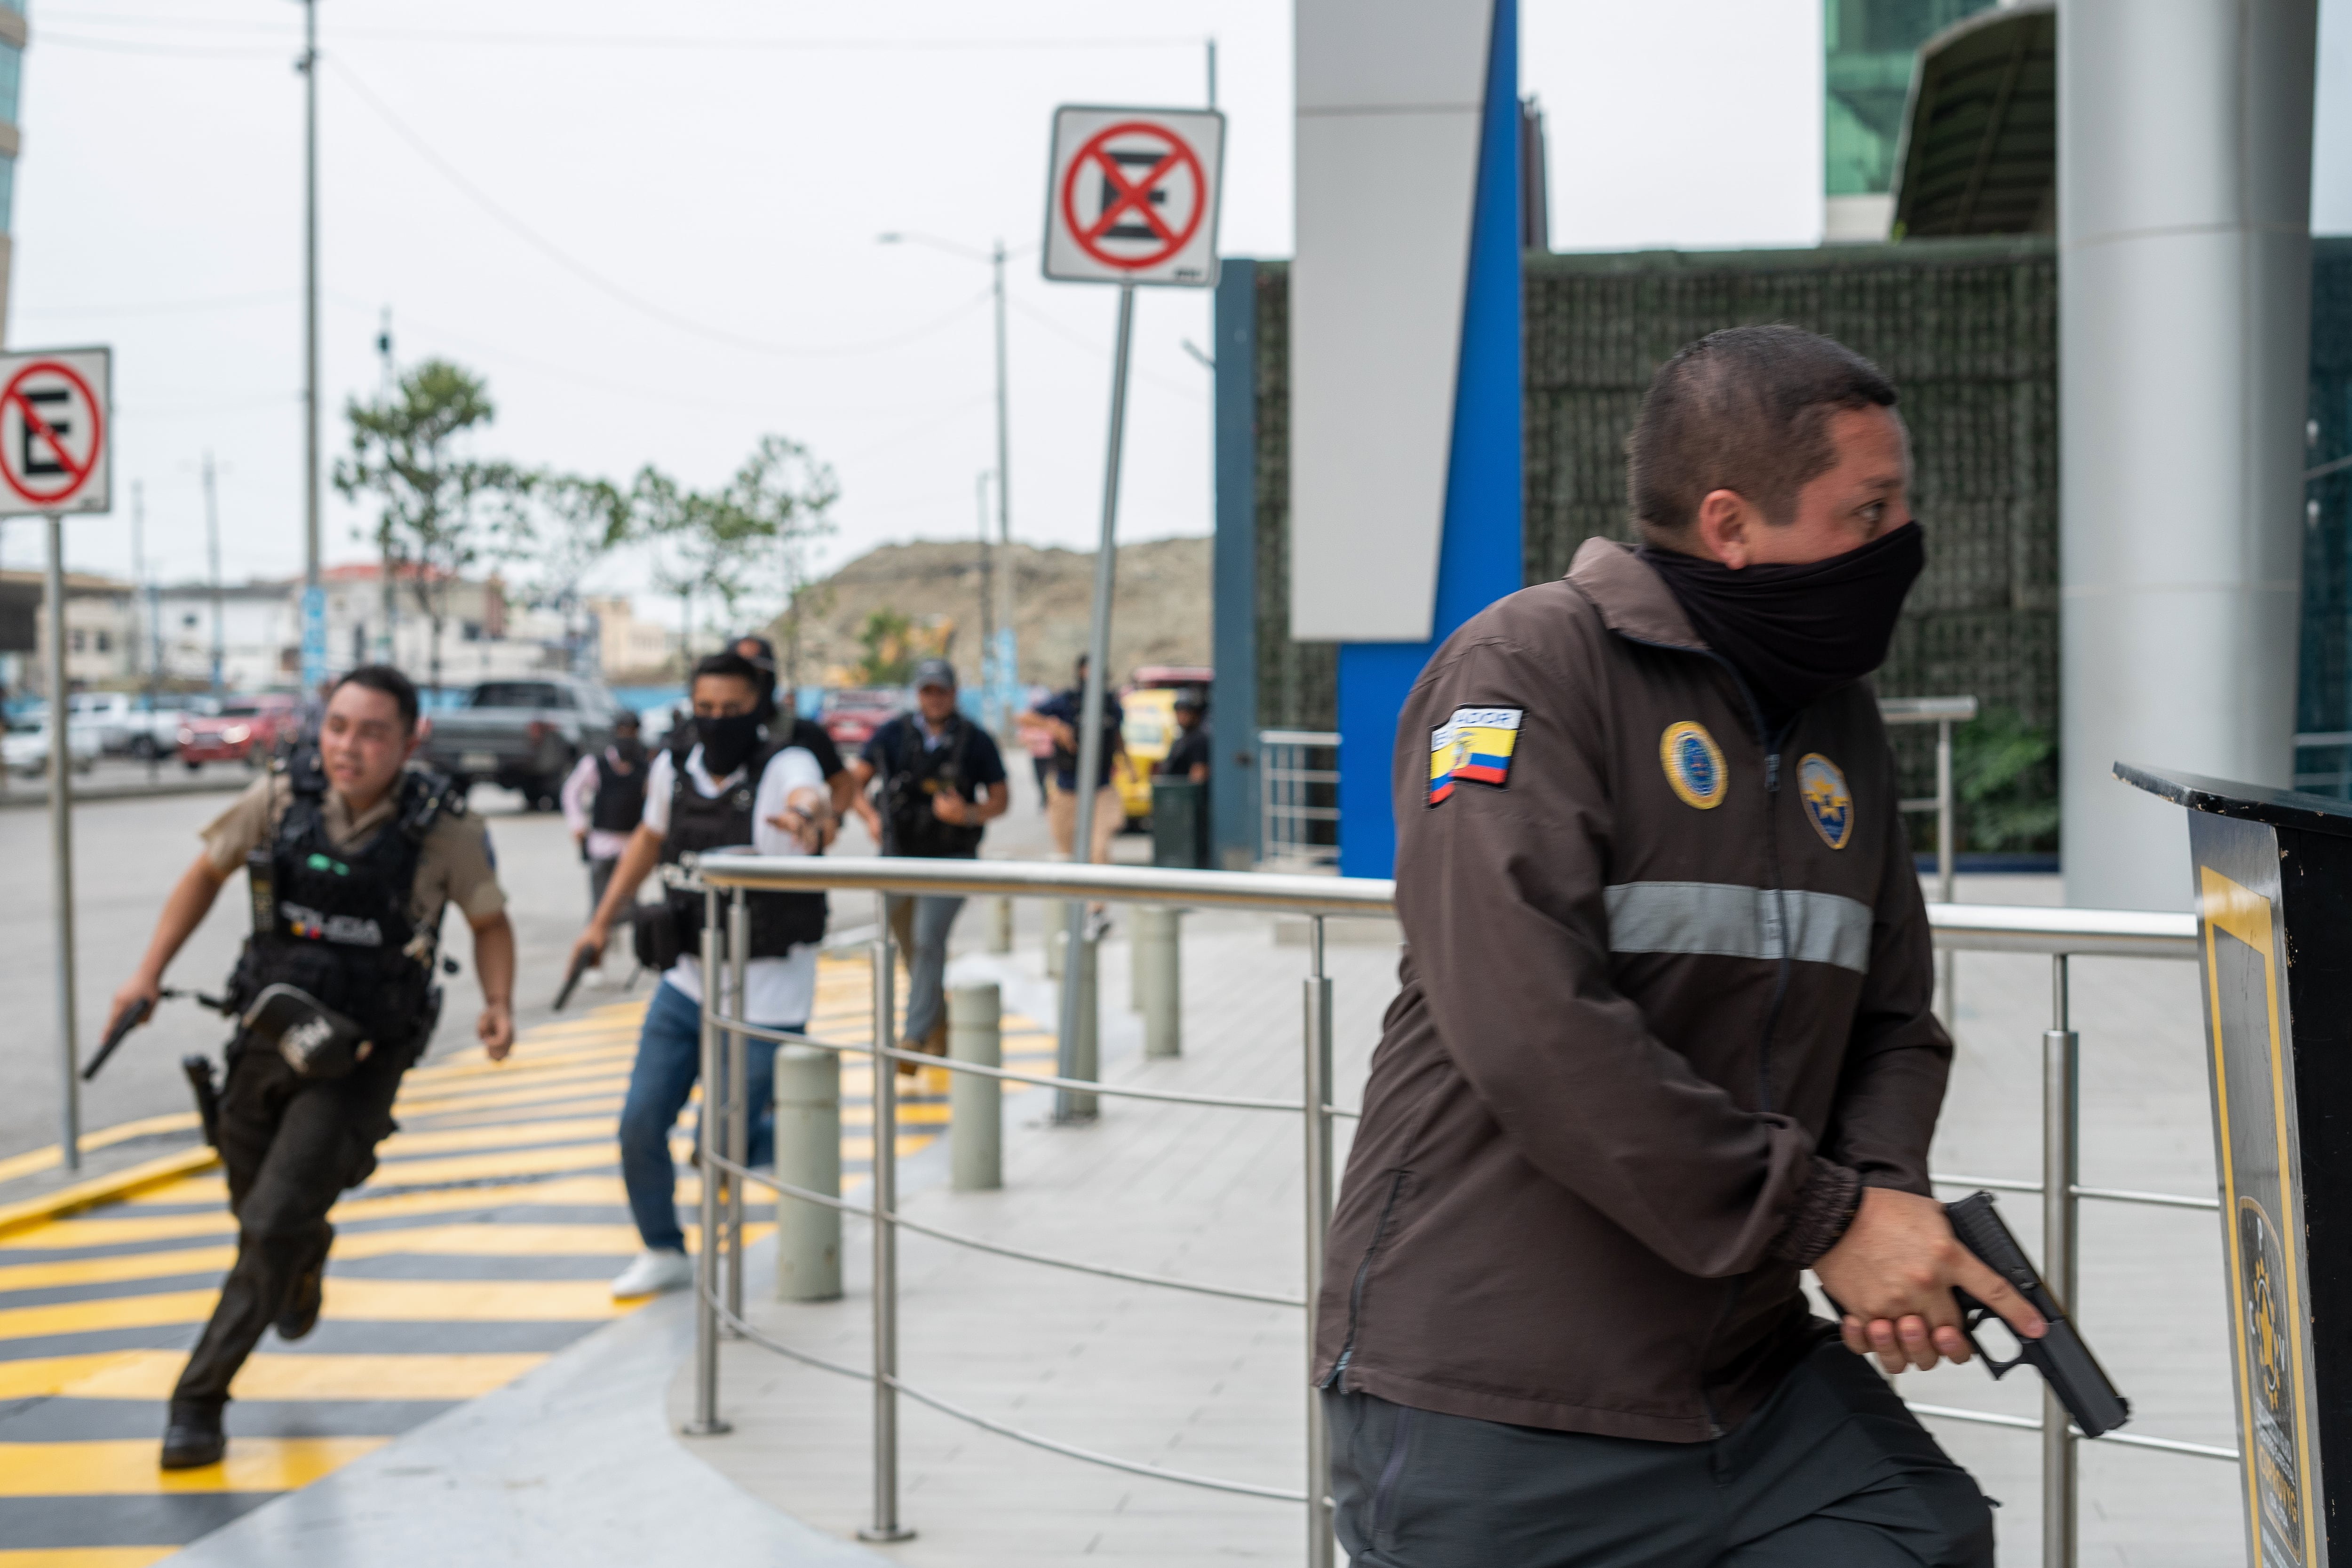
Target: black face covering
727	742
1795	633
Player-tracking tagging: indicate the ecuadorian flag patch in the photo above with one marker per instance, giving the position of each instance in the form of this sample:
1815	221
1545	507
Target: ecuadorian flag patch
1476	744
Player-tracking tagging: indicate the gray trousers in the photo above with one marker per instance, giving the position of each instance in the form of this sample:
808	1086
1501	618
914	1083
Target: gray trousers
919	925
1830	1470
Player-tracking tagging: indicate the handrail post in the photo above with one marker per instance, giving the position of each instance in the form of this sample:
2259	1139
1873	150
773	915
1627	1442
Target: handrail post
886	1525
739	1099
2061	1169
1946	882
1316	1079
705	1422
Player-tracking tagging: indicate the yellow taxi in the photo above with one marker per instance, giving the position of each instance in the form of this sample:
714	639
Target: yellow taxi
1148	727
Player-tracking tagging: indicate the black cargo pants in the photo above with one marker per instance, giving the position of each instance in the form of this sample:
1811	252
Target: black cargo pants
1830	1470
290	1145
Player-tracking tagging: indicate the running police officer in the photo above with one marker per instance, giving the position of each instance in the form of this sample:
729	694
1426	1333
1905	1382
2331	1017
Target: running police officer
724	781
1663	1040
351	857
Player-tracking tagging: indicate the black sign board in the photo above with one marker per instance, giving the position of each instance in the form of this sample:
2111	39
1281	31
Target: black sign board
2272	875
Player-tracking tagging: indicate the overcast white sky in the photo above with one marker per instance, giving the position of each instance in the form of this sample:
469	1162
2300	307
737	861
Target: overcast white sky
663	243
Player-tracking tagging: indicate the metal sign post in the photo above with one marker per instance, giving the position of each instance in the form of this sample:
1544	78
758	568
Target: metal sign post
56	452
1130	198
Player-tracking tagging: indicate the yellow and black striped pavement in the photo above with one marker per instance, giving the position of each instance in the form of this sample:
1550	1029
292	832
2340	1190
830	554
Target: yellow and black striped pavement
483	1244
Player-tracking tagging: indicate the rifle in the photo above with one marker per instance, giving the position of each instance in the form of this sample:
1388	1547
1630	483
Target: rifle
2060	1356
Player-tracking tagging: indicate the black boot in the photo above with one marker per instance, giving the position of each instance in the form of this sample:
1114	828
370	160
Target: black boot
192	1437
301	1313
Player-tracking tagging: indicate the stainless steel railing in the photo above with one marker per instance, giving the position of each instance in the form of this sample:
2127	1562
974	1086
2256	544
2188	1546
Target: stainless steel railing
725	880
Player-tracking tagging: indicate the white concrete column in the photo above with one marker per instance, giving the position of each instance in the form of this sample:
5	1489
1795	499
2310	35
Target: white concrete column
2184	193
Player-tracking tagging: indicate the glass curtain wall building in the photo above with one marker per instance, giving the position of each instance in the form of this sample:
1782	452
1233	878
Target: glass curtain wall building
1869	46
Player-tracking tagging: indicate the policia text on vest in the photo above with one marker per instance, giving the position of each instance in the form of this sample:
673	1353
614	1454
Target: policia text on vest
352	859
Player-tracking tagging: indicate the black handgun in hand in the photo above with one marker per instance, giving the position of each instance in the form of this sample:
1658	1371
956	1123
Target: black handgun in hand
582	962
2064	1361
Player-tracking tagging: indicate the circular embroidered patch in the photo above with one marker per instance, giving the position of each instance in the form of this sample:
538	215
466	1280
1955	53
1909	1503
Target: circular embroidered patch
1694	764
1820	789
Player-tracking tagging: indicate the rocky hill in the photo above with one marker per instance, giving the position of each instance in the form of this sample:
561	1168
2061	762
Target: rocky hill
1160	613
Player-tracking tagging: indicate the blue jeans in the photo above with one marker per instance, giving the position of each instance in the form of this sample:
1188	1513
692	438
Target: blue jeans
919	925
669	1059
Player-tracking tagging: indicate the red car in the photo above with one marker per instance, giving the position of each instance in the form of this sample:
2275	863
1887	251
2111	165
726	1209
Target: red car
852	715
247	730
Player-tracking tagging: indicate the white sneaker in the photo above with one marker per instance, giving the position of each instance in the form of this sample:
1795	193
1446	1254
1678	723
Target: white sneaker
595	977
655	1270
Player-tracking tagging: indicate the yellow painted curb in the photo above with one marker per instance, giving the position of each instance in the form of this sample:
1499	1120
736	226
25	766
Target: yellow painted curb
105	1189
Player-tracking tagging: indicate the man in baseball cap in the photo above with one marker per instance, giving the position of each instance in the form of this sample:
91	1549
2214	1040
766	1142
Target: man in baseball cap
938	779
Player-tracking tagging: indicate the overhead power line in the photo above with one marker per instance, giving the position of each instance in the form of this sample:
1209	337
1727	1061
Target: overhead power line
536	39
636	302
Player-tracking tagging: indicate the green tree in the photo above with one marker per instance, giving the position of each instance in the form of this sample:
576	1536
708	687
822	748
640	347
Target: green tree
786	491
440	511
888	655
2005	774
574	523
721	545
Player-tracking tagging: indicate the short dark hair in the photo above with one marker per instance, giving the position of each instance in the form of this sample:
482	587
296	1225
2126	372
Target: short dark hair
390	681
1746	409
734	666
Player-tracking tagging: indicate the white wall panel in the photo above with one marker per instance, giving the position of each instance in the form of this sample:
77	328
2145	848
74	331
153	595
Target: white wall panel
1390	93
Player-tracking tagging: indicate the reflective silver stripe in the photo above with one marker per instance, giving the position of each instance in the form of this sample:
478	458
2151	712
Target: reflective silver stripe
1727	921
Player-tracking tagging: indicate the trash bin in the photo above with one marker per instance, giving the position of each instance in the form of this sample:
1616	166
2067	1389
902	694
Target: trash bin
1180	823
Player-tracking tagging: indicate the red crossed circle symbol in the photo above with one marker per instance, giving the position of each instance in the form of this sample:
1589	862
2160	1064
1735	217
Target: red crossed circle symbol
1132	195
78	473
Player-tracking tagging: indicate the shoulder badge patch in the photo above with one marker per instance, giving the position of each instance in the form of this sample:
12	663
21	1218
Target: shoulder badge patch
1475	745
1694	764
1821	788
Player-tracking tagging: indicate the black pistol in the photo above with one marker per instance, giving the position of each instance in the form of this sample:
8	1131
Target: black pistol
581	963
2064	1361
130	1017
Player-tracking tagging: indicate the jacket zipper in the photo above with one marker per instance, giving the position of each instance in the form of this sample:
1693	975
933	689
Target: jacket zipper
1356	1290
1772	744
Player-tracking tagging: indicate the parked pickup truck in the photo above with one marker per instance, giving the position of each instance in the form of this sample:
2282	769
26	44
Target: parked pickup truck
126	725
522	734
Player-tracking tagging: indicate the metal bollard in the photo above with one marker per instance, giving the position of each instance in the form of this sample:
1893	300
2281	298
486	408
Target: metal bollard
808	1156
1000	925
1157	978
976	1117
1085	1051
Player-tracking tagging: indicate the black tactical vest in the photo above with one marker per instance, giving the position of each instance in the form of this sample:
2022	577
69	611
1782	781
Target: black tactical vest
919	775
336	922
620	802
779	921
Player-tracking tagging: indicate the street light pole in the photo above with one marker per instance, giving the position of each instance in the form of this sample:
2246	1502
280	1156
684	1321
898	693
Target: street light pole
1006	658
314	597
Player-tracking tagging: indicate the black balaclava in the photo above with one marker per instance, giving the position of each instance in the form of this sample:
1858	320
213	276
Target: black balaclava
726	743
1796	632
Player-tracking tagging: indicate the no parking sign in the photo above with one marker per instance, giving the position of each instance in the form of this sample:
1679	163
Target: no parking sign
1131	196
56	432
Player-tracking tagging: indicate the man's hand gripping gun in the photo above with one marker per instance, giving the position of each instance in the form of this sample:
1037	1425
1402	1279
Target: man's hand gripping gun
2064	1361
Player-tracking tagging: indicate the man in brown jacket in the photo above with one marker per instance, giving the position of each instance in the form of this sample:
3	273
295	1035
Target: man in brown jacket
1663	1039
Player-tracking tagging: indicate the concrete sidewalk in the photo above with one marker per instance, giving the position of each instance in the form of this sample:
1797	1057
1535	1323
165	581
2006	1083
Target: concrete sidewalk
1217	1386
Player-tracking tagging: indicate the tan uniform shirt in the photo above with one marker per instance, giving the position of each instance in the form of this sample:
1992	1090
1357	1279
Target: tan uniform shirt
453	866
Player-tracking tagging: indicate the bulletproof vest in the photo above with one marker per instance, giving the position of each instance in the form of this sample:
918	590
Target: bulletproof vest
779	921
620	802
919	775
335	921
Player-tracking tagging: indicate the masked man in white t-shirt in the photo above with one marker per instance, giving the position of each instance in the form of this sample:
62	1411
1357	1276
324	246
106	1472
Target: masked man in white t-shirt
725	782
